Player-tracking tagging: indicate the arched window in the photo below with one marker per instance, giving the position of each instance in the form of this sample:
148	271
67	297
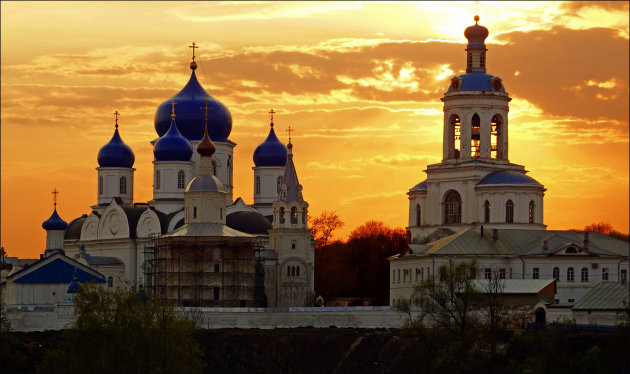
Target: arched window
495	136
304	215
100	185
110	282
281	215
297	272
418	215
123	185
531	211
486	211
220	213
257	185
570	275
195	212
584	275
475	135
452	207
556	273
288	271
215	166
292	270
571	250
294	215
181	178
454	136
229	166
509	211
157	180
278	184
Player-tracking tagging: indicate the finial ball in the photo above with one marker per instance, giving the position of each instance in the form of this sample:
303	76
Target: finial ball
193	65
476	18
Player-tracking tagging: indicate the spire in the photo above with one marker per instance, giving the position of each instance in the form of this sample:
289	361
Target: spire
271	112
291	189
55	193
54	222
476	49
206	147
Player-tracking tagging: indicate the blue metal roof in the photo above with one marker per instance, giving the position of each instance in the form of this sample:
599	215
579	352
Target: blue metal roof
422	186
57	271
172	146
476	81
190	116
54	222
116	153
271	152
508	177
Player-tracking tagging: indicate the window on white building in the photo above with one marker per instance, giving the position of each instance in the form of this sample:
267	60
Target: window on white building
452	207
110	282
418	215
624	275
123	185
100	185
570	275
502	273
509	211
486	210
535	273
604	274
531	211
257	185
556	273
158	182
180	179
584	275
487	273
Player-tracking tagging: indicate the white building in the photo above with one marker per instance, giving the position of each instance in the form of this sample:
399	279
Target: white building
475	183
119	232
475	204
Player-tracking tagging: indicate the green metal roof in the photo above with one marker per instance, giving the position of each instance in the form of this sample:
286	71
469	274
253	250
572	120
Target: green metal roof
605	296
516	286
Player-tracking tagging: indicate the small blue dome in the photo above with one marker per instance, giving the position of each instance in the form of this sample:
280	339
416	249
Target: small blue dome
172	146
271	152
476	81
54	222
508	177
190	116
73	287
422	186
116	154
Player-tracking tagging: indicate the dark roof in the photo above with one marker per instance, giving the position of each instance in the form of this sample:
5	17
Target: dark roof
422	186
133	214
101	260
74	228
509	177
249	222
605	296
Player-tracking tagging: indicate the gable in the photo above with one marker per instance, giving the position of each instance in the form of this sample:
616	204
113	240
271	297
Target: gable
56	271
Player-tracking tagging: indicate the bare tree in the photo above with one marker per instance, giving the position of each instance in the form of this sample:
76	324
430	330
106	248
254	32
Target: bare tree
322	228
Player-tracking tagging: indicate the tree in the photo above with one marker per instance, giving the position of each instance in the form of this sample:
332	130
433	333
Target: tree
607	229
322	228
124	331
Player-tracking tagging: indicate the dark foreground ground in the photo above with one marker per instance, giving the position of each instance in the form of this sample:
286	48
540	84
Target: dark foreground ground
310	350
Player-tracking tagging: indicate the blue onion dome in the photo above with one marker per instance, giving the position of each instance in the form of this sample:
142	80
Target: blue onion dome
271	152
73	287
190	116
116	154
509	178
172	146
476	35
54	222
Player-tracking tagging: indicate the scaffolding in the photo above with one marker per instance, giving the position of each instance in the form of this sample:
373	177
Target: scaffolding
201	271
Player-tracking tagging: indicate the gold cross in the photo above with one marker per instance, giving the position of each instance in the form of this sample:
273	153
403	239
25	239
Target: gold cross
173	112
289	130
55	193
193	46
206	109
272	112
116	114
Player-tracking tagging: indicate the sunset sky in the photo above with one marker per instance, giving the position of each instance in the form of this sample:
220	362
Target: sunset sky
359	82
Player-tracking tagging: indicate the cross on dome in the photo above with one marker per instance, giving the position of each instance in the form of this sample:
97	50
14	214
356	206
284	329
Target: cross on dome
205	118
289	130
116	114
272	112
55	193
193	46
173	109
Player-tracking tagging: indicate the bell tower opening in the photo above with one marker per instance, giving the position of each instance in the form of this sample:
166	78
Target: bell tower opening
496	137
454	136
475	136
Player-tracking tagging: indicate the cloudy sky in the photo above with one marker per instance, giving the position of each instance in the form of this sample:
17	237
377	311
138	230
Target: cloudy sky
359	82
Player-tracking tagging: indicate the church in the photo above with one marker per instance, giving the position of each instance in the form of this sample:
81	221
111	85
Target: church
192	225
476	205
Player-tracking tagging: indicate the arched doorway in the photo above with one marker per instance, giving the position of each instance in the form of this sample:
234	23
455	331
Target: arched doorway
541	318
